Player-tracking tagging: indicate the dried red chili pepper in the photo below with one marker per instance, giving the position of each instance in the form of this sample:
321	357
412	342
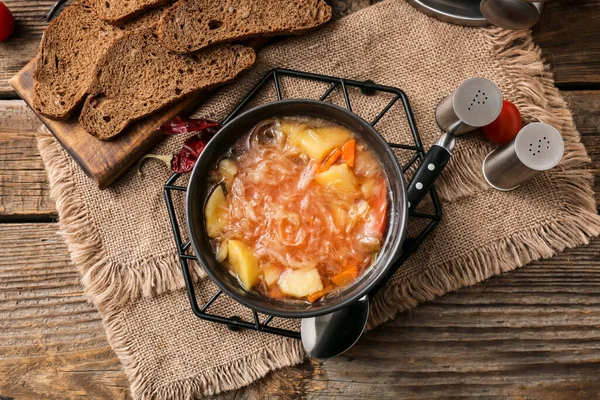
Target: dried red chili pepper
186	125
185	159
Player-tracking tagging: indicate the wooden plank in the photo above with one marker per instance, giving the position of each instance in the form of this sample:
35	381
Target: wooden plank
16	117
24	189
585	106
53	343
532	333
570	39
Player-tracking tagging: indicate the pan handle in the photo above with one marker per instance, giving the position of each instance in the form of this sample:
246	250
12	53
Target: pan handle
430	169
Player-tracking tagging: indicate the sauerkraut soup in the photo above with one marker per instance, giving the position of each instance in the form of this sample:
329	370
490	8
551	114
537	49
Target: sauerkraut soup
298	208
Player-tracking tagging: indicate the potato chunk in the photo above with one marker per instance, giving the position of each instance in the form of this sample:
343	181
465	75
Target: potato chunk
215	212
319	142
301	282
339	177
291	127
244	261
228	169
271	274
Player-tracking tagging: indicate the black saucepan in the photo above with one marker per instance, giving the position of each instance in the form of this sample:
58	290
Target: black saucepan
398	203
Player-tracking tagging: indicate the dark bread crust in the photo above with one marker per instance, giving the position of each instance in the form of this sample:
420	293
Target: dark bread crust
137	77
119	11
70	48
190	25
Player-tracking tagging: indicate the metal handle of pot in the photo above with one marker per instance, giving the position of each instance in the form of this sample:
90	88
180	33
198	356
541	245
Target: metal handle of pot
430	169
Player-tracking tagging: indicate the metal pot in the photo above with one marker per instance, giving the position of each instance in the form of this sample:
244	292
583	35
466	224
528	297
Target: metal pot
398	204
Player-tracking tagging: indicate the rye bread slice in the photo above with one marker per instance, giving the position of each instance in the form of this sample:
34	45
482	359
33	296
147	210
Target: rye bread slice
137	77
70	48
119	11
190	25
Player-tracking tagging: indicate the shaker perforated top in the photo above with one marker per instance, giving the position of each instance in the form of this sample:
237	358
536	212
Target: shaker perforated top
477	102
539	146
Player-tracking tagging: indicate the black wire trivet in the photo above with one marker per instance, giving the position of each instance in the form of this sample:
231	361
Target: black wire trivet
410	245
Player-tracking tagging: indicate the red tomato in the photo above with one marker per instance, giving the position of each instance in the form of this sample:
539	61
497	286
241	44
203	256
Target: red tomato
7	22
506	126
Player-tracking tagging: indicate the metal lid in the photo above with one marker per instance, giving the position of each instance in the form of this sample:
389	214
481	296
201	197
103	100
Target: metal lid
460	12
539	146
477	102
511	14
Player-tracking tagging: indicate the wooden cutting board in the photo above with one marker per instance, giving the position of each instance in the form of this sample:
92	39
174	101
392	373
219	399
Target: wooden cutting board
103	161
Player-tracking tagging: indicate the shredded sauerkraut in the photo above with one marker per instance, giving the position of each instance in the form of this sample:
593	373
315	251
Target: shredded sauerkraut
275	206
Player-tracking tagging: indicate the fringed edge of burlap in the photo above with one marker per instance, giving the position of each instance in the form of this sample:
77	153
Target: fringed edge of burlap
108	284
533	91
233	375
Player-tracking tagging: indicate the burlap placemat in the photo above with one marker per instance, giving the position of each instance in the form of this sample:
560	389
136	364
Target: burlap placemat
120	238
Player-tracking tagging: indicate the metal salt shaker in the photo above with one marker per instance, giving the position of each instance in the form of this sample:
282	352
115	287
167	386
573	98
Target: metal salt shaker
537	147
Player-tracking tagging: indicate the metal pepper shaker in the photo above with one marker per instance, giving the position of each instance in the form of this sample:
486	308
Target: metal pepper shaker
475	103
537	147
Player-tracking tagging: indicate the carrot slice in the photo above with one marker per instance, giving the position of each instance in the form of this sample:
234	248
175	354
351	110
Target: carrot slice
345	277
348	152
379	207
331	158
317	295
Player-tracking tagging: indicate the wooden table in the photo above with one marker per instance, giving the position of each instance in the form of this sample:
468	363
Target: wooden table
530	334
